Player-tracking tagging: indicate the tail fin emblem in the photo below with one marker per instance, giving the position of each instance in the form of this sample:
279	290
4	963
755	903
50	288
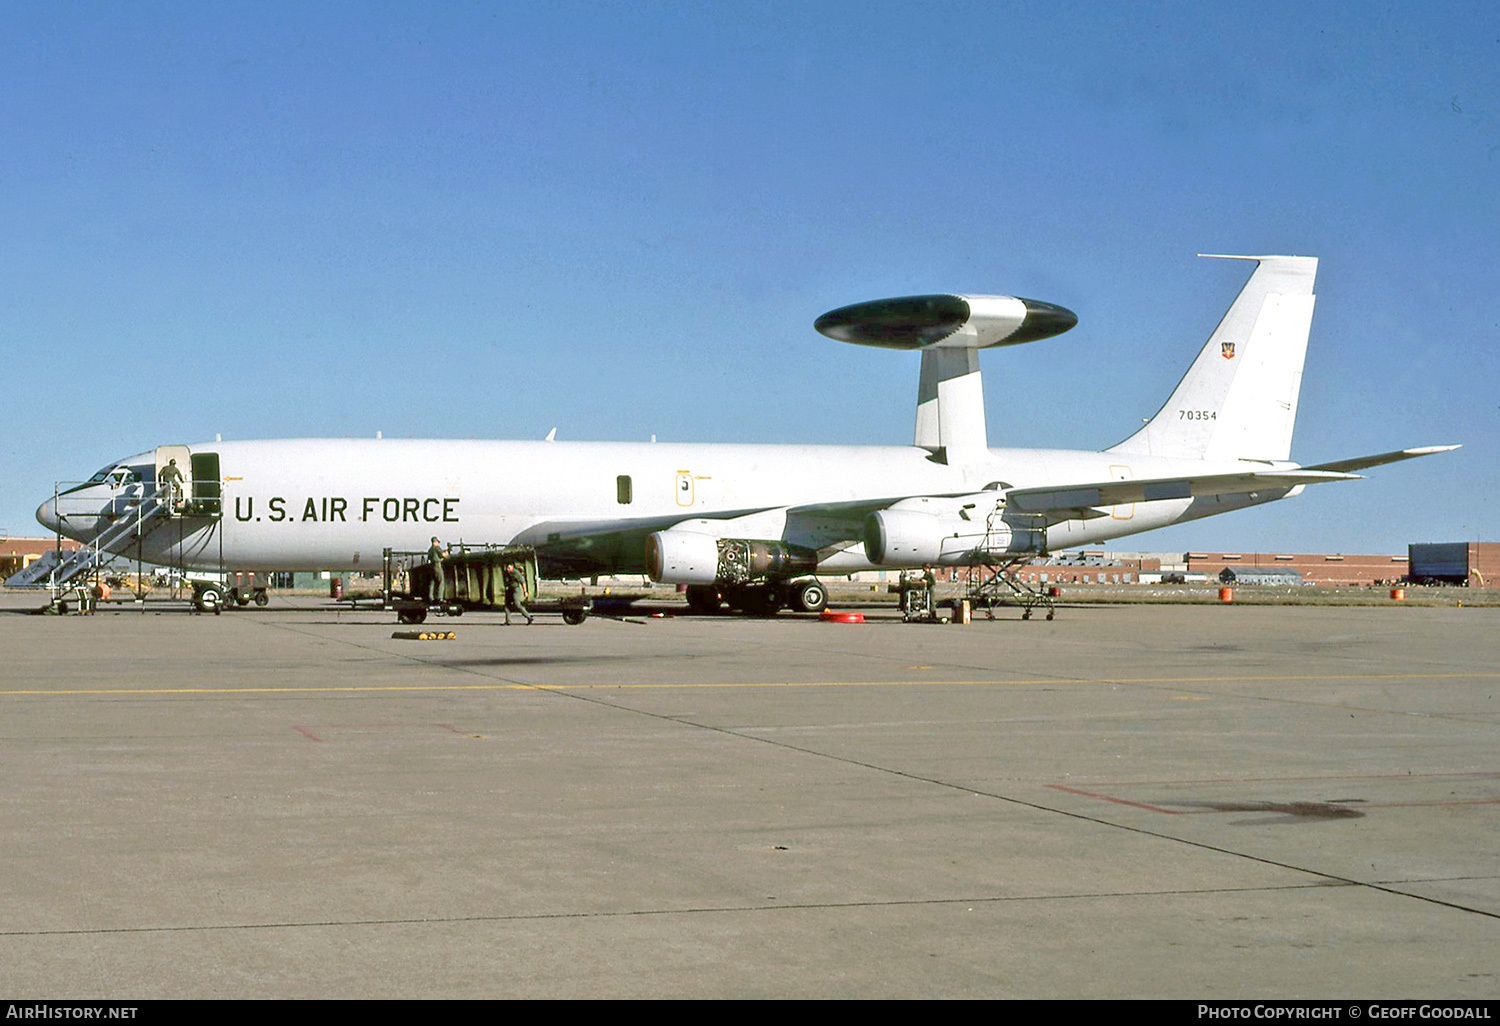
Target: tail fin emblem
1226	349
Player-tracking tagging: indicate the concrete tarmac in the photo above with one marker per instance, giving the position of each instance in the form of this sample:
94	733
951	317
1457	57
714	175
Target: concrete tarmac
1130	801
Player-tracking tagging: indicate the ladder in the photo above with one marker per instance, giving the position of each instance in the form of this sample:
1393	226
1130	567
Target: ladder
990	582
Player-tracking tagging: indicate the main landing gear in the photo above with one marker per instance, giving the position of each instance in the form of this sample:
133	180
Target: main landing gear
758	599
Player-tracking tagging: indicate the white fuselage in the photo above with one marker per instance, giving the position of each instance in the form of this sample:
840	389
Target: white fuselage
337	503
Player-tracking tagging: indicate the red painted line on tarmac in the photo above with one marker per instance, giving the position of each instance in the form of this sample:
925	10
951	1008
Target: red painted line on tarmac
306	733
1117	801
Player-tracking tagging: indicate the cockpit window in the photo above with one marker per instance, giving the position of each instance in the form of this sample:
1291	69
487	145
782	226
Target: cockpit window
114	474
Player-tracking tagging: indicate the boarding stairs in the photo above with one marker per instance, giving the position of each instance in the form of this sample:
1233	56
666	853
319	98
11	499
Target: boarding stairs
139	517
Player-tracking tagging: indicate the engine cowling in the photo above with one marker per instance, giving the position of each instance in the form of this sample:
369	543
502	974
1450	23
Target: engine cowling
688	557
682	557
934	531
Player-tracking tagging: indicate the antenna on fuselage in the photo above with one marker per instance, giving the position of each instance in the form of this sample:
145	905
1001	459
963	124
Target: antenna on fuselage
949	331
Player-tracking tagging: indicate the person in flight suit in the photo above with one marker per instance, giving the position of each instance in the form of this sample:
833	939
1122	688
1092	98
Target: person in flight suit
515	593
435	556
170	478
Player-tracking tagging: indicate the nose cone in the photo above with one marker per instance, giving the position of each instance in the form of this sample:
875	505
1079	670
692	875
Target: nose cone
46	515
1043	320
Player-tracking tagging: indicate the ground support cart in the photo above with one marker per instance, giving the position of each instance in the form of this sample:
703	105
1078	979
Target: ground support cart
916	597
473	579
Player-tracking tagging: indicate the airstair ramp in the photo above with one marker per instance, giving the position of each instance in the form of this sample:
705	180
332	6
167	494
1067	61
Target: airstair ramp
36	573
55	567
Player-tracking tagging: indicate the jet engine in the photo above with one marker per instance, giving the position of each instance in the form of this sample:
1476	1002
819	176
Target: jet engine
938	531
946	322
687	557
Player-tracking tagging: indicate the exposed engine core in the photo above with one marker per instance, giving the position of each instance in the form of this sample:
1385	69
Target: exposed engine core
687	557
941	531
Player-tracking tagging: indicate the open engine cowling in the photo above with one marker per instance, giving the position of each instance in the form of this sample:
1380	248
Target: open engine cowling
935	531
688	557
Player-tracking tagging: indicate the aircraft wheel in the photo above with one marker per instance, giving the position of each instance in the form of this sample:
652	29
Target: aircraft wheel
210	599
412	615
808	597
574	617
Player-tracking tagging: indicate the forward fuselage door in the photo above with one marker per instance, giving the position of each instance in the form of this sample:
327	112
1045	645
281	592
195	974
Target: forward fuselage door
173	469
192	480
208	490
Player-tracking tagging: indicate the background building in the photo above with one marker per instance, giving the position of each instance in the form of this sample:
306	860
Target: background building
1475	564
1315	568
18	553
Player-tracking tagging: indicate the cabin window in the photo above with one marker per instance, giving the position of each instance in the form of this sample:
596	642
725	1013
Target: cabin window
624	492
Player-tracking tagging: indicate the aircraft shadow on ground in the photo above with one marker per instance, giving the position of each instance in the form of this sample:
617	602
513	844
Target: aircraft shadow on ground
531	660
1279	812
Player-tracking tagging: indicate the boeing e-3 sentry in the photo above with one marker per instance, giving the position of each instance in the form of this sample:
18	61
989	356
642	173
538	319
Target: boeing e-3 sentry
755	524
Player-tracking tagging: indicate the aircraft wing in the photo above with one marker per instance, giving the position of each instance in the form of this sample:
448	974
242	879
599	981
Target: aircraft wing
855	510
567	548
1080	500
1361	462
587	547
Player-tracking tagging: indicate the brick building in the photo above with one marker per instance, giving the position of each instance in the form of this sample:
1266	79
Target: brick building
1327	569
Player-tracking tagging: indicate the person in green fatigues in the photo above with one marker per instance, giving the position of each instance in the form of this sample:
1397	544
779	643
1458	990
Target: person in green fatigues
515	593
170	478
435	556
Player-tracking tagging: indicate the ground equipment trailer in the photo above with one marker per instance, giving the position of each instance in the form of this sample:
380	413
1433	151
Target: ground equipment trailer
473	579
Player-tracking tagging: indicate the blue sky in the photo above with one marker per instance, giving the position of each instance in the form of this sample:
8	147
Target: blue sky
621	219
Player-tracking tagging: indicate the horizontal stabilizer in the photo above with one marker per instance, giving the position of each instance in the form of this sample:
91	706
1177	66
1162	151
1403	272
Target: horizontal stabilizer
1362	462
1112	493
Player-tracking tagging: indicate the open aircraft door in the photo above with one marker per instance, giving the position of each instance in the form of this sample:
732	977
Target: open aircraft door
201	490
208	490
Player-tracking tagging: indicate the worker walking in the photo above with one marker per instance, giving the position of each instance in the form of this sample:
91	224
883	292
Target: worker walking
435	556
515	593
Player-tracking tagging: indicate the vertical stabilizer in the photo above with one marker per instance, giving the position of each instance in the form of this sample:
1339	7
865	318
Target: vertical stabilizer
1239	398
950	403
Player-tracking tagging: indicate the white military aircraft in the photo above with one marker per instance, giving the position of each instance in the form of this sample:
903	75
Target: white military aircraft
754	524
